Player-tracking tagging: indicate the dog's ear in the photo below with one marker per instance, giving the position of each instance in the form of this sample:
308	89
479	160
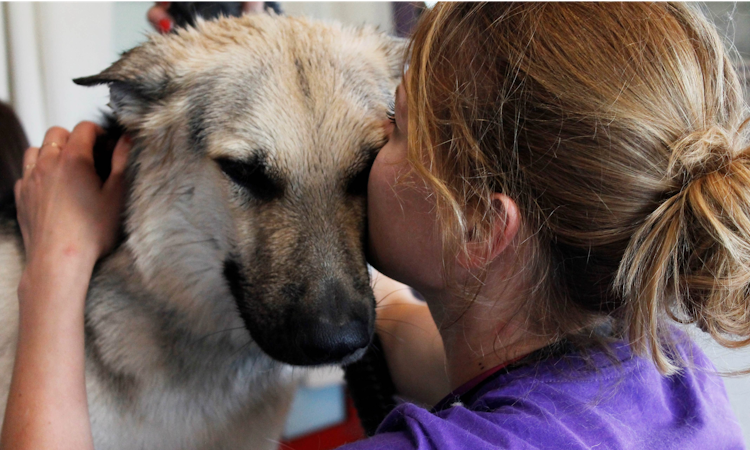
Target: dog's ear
138	79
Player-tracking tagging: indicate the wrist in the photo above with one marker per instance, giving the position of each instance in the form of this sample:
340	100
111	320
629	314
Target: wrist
54	276
62	257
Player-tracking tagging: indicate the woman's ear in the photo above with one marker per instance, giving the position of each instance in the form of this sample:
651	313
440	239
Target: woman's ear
482	250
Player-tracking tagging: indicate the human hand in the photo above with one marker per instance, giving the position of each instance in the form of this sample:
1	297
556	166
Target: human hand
64	210
68	218
162	22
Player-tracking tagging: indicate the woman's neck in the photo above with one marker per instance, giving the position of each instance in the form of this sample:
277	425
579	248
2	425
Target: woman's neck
468	355
489	331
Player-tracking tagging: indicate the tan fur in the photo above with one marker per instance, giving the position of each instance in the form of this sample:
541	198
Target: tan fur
170	362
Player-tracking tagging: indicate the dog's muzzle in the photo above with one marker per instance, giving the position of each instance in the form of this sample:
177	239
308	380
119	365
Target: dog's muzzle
327	325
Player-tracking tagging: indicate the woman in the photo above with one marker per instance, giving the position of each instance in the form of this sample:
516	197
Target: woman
561	182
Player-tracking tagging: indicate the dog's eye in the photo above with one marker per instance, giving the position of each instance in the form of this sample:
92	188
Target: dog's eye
253	177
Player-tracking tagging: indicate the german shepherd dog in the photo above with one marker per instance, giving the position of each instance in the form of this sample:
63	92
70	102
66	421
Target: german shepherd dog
242	250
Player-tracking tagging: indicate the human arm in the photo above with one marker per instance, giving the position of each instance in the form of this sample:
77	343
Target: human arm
68	218
411	342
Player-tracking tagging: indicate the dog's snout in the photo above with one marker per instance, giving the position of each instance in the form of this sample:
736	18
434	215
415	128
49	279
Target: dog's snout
321	343
324	322
340	326
335	308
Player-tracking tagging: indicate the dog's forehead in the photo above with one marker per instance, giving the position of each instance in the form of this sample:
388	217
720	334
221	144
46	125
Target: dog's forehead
303	101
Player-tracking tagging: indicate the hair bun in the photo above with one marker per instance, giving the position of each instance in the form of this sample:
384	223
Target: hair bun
691	256
701	153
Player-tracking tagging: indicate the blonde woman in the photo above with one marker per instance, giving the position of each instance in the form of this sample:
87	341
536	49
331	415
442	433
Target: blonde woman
562	183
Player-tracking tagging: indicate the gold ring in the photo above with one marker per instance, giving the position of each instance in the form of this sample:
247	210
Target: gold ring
53	144
28	167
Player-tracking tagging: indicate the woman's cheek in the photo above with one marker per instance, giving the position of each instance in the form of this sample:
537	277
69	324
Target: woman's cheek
401	226
377	213
387	218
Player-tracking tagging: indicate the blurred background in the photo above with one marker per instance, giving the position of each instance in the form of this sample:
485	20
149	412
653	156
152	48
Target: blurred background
45	45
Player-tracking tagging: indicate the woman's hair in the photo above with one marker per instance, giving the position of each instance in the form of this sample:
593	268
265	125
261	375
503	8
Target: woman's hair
13	142
618	130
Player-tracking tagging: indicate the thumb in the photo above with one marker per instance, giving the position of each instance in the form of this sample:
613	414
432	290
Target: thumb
115	182
114	193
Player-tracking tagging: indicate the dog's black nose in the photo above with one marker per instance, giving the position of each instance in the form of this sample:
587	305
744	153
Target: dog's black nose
321	343
322	324
339	327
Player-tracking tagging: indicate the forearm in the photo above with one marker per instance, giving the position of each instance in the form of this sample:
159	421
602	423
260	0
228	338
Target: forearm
411	342
47	405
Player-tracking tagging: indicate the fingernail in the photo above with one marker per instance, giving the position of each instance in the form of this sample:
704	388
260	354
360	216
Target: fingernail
165	25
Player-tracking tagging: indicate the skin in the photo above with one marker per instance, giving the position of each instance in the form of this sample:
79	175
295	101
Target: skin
69	219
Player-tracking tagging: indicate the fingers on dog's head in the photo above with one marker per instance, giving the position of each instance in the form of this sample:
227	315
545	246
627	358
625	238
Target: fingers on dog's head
56	135
29	158
82	139
120	155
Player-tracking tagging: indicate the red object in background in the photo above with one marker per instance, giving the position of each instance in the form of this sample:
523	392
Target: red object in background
165	25
332	437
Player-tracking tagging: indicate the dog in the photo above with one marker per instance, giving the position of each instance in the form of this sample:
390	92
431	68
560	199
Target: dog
242	252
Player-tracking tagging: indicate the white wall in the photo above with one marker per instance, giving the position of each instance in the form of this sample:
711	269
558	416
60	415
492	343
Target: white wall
49	44
354	13
130	23
76	42
4	82
738	387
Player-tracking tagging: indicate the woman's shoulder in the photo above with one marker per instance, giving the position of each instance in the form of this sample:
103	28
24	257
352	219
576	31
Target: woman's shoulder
607	397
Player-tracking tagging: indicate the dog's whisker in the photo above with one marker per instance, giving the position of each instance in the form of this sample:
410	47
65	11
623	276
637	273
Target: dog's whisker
177	193
391	293
182	243
219	332
390	305
243	347
280	444
382	331
393	320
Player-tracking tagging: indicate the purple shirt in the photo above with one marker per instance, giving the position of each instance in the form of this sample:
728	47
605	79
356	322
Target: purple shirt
563	403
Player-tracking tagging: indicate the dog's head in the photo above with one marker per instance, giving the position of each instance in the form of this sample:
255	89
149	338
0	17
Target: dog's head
253	139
